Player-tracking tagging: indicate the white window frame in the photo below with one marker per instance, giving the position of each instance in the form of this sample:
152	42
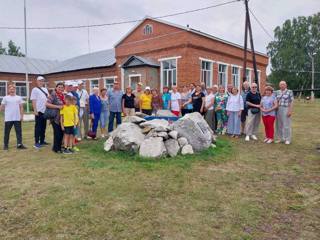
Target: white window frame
90	84
204	71
249	79
105	81
134	75
6	88
226	74
24	82
148	29
237	76
161	60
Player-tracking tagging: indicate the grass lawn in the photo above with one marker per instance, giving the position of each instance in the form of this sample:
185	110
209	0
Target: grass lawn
236	191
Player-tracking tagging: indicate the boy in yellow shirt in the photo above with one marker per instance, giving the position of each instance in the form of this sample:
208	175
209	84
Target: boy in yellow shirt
68	118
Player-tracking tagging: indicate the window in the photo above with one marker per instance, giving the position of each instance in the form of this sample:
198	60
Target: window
108	83
223	75
94	83
206	73
169	72
147	30
248	75
3	89
21	89
236	76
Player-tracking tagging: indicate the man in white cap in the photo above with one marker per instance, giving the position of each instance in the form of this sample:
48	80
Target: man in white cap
83	110
38	97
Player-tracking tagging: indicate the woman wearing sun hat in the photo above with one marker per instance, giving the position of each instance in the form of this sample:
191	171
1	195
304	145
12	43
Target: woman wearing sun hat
145	101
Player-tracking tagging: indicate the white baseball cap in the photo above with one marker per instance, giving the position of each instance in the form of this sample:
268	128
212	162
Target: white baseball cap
68	83
75	84
40	78
80	82
147	88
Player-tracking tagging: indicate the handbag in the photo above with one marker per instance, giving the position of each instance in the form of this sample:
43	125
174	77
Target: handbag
91	133
50	113
254	110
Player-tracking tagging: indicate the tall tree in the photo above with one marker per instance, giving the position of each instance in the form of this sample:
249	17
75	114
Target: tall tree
14	50
290	52
2	49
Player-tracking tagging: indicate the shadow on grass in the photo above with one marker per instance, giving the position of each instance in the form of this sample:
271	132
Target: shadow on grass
98	158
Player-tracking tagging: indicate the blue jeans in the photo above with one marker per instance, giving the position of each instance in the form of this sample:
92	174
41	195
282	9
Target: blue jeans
104	119
95	122
113	115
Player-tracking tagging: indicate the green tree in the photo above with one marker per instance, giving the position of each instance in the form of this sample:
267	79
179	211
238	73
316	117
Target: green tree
14	50
2	49
290	52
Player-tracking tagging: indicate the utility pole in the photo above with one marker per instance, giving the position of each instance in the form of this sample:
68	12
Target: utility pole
26	53
312	80
248	28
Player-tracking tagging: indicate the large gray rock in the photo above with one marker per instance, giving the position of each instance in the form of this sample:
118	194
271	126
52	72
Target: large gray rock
108	144
159	125
172	147
187	149
182	141
195	129
152	147
133	119
173	134
127	137
165	113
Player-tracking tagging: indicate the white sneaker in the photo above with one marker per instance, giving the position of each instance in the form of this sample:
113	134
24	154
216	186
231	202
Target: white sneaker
269	141
247	139
287	142
254	137
79	139
266	140
102	136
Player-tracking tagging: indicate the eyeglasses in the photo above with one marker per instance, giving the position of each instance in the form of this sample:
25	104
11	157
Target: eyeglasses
253	87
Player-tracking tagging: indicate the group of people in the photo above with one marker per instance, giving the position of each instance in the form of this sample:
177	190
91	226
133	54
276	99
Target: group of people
74	114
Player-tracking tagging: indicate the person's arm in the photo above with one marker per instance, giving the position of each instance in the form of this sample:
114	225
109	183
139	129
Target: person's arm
2	106
251	104
91	107
53	106
290	107
202	105
140	103
34	105
124	113
21	111
61	121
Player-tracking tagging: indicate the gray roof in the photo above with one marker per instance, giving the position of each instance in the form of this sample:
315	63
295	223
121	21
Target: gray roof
103	58
13	64
135	61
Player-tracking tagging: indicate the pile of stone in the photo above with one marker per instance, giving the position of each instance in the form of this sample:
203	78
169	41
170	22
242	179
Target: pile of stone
159	137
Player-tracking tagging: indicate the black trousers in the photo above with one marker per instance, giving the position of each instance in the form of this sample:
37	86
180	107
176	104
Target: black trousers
40	128
185	111
7	130
57	136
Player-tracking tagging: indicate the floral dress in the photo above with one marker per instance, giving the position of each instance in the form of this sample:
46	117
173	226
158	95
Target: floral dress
220	104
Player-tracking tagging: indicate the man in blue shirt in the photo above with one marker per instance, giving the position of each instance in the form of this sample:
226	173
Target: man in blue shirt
115	103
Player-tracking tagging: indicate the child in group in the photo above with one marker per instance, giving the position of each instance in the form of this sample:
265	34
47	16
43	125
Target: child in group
75	130
68	118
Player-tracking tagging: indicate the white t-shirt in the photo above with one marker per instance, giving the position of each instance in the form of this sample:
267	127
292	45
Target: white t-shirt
175	97
84	96
12	108
208	101
40	98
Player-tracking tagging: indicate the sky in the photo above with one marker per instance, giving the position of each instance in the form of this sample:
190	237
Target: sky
226	22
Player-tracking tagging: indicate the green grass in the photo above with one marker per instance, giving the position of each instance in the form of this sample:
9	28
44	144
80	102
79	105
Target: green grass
236	191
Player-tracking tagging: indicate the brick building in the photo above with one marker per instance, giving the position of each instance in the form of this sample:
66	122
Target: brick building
155	52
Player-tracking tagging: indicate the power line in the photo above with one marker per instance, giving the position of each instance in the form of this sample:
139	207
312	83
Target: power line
260	24
121	22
